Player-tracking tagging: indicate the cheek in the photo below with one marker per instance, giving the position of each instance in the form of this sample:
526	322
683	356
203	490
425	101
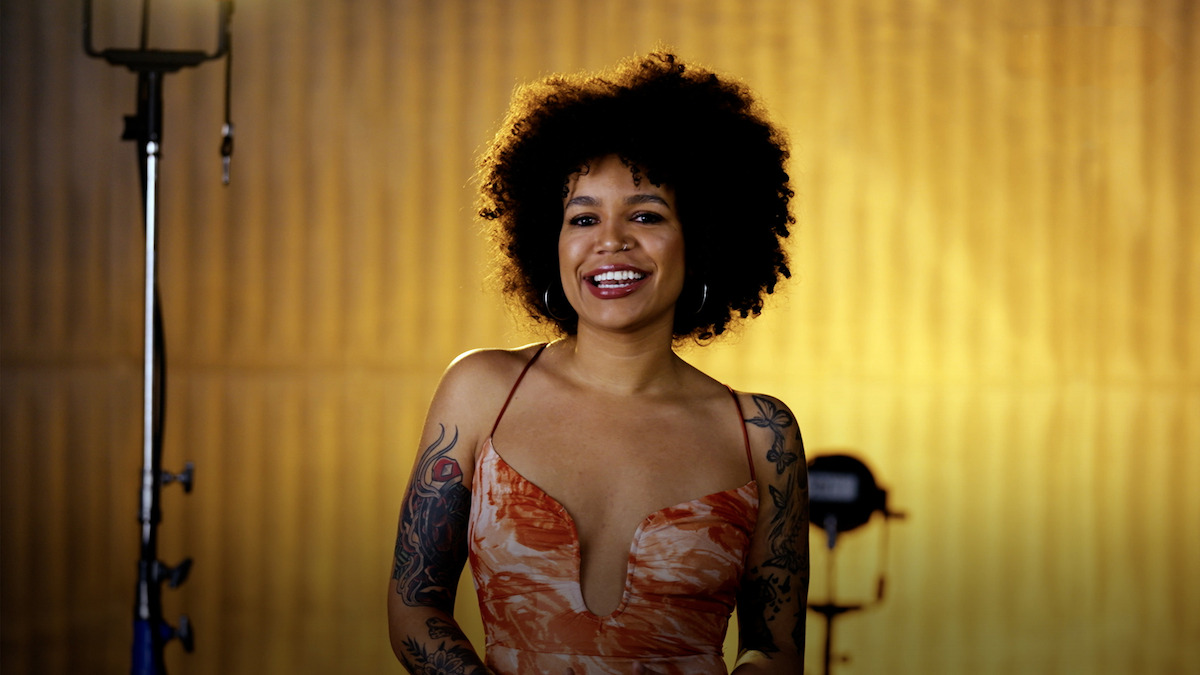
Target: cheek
676	253
566	247
563	248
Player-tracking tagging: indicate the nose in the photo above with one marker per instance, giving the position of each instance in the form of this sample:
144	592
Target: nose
612	236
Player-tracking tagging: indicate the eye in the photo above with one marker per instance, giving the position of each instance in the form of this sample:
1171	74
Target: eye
647	217
583	221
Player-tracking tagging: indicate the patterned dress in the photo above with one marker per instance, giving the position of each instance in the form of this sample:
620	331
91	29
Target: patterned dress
685	564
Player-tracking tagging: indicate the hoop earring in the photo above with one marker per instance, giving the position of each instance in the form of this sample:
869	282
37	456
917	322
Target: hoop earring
703	297
546	301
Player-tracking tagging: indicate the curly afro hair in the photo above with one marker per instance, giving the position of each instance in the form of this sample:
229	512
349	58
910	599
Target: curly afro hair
680	126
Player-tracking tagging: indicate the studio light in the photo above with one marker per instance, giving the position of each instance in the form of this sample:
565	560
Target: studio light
843	495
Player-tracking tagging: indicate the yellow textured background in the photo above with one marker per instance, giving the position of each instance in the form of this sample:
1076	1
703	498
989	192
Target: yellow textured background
996	305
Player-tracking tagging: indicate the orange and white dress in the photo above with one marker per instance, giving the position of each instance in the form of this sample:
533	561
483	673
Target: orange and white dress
685	565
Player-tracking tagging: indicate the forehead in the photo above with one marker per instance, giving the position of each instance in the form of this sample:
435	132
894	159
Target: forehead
612	173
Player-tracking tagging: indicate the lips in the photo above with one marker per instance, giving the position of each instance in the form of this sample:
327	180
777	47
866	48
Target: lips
614	281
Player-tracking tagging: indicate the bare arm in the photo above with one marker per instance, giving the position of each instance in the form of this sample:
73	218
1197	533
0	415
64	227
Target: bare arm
431	549
774	595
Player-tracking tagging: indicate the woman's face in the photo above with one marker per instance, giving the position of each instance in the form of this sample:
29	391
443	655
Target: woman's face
620	250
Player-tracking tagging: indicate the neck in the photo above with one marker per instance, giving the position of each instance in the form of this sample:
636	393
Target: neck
623	363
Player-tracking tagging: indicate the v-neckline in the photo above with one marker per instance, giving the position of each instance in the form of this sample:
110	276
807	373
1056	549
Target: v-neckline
577	547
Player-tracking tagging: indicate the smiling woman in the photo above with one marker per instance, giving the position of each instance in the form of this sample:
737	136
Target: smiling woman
636	501
703	137
621	240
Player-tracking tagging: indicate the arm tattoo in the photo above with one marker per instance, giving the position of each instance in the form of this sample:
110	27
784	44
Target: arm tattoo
431	546
766	591
758	603
452	659
791	501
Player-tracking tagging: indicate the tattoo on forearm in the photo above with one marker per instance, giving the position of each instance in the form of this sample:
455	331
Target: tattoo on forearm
787	539
431	542
759	602
445	659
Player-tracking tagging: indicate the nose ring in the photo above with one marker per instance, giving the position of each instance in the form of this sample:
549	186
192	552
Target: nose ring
625	246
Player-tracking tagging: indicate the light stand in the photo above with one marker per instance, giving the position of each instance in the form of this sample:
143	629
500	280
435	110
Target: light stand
150	631
843	496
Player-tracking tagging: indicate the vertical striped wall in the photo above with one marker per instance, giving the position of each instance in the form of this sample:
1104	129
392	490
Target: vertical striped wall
995	306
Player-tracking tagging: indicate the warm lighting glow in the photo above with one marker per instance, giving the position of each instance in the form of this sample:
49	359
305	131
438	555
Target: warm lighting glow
993	303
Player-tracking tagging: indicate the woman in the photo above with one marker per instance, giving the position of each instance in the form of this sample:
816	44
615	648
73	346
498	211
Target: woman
636	209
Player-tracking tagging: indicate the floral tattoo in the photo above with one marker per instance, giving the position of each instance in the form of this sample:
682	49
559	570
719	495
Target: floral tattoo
767	591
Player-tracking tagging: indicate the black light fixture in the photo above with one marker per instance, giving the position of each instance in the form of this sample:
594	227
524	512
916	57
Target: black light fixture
843	495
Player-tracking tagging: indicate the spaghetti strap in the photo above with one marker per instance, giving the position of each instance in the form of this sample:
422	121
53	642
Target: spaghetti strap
742	421
518	383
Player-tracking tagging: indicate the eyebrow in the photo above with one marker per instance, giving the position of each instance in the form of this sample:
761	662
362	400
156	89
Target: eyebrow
631	200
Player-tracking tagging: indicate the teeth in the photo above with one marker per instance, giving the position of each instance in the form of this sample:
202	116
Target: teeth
616	277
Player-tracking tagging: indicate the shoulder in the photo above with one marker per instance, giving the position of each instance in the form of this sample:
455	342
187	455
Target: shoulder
774	432
766	412
482	366
476	384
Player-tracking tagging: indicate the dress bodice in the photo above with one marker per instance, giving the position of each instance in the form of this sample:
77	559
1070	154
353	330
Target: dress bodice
684	568
685	562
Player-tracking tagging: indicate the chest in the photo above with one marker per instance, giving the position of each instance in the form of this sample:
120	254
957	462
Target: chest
525	544
616	461
613	468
